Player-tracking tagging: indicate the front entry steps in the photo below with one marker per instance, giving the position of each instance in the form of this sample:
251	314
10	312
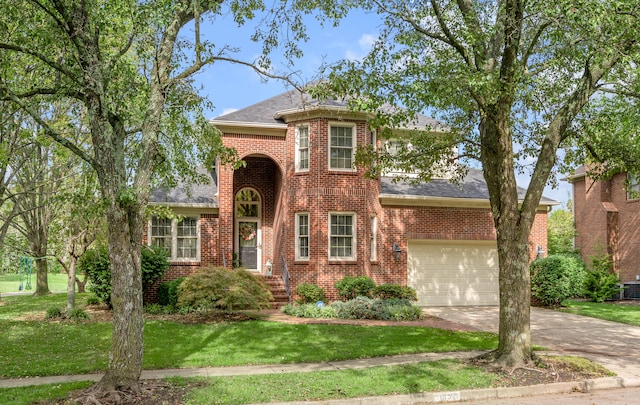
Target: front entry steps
276	286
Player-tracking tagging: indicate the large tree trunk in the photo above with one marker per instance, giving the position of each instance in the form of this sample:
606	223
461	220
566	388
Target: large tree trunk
512	229
514	346
125	360
71	284
42	270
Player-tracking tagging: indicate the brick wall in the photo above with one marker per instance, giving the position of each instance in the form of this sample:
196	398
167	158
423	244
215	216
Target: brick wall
607	222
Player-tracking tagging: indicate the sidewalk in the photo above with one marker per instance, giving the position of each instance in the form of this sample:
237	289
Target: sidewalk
623	380
627	374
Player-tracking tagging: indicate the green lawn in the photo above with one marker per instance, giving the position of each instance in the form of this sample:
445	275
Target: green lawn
34	347
442	375
11	282
610	311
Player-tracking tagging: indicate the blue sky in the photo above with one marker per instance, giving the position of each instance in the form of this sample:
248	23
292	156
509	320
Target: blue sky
230	87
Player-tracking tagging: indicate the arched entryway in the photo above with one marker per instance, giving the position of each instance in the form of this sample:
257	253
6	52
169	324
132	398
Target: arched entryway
257	208
248	228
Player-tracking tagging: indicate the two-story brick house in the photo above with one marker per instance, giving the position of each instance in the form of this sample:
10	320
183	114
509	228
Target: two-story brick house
302	210
607	220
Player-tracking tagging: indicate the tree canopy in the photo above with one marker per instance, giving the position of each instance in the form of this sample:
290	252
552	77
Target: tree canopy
521	86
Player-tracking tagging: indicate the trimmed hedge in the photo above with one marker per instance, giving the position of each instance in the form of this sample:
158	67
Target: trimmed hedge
392	291
351	287
309	293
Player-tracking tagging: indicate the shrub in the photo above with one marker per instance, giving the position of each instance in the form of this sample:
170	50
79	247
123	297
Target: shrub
351	287
217	287
93	300
154	262
601	284
78	314
556	278
95	263
310	311
391	291
168	292
53	313
361	307
400	312
309	293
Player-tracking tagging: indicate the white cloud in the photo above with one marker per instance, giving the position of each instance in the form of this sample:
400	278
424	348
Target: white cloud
229	110
365	42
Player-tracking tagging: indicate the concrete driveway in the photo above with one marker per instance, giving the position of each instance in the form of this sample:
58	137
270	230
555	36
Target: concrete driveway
615	344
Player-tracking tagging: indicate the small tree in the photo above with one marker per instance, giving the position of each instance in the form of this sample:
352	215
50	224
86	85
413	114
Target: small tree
601	282
560	232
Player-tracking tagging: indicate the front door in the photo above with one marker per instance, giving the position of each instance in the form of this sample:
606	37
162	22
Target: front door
249	243
248	240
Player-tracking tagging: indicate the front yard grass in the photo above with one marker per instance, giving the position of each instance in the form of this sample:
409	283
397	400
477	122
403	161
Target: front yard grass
35	347
610	311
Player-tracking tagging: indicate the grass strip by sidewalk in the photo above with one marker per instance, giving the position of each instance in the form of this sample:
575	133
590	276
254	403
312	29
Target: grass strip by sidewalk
40	393
610	311
443	375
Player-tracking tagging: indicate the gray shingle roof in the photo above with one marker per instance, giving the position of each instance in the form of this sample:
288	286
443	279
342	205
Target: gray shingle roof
195	195
473	186
265	111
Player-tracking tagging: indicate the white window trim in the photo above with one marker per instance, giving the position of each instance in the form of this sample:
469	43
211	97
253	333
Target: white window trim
354	142
373	242
634	187
354	227
297	152
298	257
174	239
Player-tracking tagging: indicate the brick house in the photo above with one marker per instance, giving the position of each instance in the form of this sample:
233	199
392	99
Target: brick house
300	211
607	220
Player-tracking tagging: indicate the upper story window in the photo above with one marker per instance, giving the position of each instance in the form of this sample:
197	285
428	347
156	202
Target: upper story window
302	148
342	144
633	189
302	236
179	237
342	236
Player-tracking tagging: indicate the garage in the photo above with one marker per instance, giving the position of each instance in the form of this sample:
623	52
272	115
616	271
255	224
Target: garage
453	273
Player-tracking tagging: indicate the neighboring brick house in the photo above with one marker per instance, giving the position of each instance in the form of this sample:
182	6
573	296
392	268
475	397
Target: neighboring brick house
607	220
299	206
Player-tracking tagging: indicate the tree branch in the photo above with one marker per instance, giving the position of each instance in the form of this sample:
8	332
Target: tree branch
49	130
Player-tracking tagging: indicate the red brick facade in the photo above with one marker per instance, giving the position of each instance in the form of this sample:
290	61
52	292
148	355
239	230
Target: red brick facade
607	221
270	170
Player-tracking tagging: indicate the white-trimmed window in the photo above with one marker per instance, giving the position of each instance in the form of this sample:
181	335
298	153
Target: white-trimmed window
180	237
633	190
342	236
302	148
342	145
373	239
302	236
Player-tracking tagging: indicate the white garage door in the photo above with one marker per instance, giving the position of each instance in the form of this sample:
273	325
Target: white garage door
449	273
